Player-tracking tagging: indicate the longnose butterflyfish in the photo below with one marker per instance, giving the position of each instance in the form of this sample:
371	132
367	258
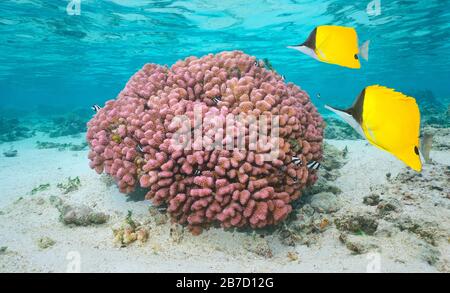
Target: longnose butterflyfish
335	45
389	120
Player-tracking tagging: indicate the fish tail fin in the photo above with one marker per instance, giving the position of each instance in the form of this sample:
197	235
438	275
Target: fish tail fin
422	158
364	50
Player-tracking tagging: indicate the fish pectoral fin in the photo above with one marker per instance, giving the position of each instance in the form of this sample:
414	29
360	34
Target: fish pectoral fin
322	54
364	50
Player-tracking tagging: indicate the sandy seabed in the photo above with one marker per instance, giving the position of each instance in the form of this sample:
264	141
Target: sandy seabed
411	235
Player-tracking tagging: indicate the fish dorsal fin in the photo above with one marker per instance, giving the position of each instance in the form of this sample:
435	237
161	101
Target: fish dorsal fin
311	40
357	107
347	117
353	115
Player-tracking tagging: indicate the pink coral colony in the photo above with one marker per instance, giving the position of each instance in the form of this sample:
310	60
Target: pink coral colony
131	140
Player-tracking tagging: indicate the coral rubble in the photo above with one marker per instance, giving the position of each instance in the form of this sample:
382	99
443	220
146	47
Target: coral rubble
433	112
45	242
130	231
67	125
60	146
72	184
10	153
39	188
337	129
12	129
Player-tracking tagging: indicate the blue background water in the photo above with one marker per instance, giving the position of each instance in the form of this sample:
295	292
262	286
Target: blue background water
51	58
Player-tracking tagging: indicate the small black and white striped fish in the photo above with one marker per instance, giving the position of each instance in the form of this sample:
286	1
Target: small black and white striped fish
217	99
297	161
95	108
256	63
139	148
314	165
283	77
197	172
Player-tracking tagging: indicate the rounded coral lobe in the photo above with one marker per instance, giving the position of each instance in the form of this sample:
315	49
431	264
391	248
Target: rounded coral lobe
133	139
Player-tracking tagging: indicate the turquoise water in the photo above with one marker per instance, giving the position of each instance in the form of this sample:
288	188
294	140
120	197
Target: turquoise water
49	58
55	66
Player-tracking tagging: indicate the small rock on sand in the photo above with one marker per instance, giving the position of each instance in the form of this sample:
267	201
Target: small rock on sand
426	230
371	200
358	244
81	215
292	256
357	223
325	202
388	205
259	246
45	242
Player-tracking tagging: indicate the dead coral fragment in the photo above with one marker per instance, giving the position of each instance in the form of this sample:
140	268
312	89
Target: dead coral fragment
426	230
130	231
70	185
259	246
358	244
389	205
45	242
40	188
371	200
357	223
325	202
305	229
60	146
292	256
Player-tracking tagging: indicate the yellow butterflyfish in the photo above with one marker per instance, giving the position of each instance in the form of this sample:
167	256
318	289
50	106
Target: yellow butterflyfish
335	45
389	120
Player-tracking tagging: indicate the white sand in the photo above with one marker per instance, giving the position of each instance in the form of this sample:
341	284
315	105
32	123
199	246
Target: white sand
24	221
